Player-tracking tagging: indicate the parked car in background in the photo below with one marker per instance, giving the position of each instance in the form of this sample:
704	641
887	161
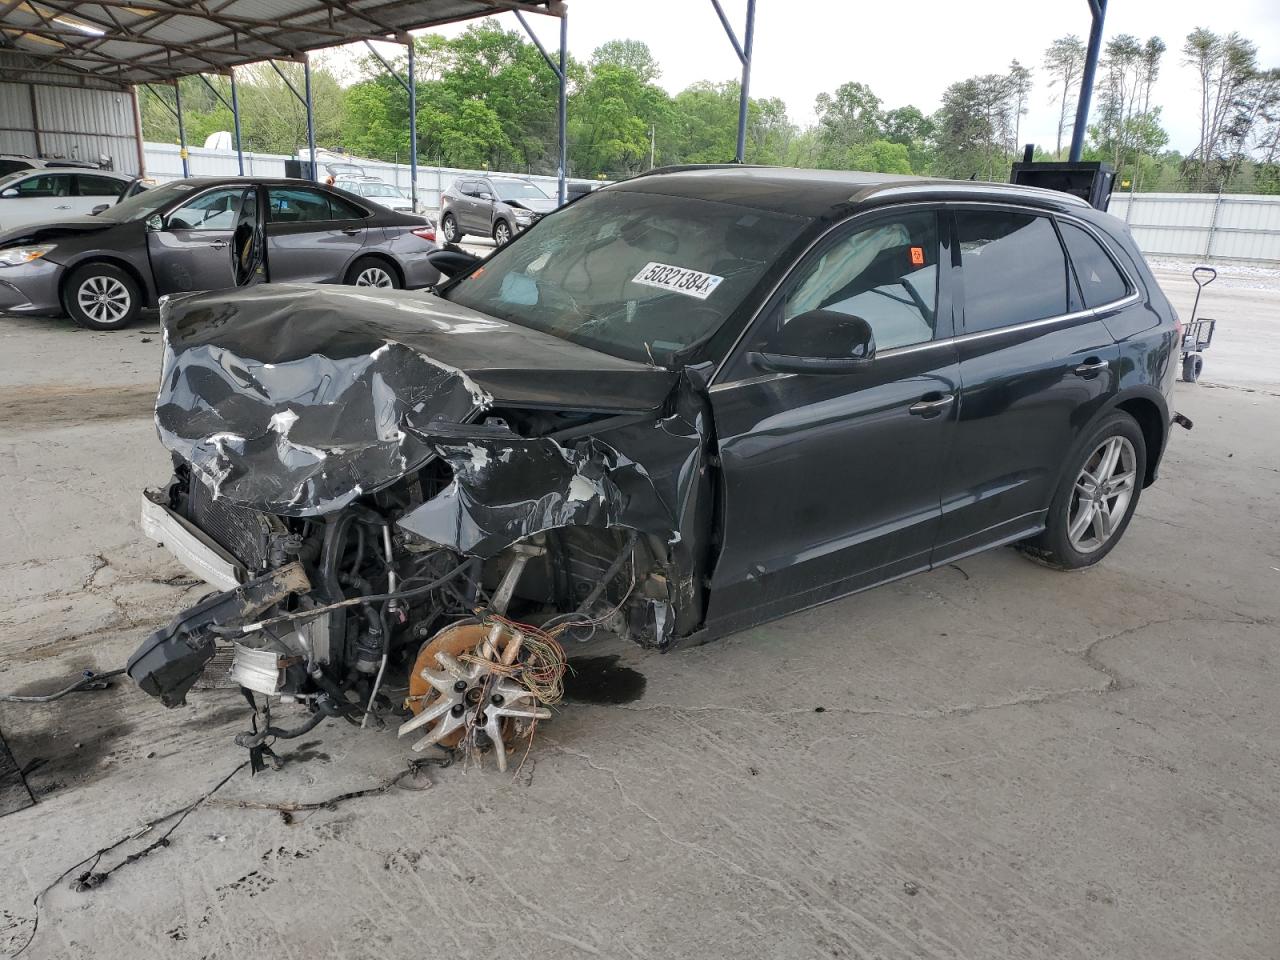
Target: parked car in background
13	162
207	234
497	207
341	168
48	193
379	191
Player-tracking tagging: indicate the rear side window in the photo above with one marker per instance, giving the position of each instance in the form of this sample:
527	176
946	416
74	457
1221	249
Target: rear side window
91	186
297	205
1013	267
1100	280
342	210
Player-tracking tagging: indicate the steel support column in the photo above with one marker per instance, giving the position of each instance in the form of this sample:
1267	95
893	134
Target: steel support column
235	119
413	128
234	106
311	120
559	68
561	75
1099	10
182	130
743	50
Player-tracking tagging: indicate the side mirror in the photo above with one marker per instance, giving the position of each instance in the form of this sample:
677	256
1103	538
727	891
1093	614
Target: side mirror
11	192
486	196
452	263
99	208
154	223
820	341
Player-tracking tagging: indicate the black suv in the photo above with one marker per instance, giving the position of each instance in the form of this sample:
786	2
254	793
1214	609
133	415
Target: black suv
687	403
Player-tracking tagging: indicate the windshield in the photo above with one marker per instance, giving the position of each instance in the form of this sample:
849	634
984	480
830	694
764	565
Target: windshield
637	275
379	190
142	205
517	190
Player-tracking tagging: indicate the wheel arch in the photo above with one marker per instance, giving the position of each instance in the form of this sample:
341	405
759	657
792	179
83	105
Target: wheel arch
148	292
378	255
1149	408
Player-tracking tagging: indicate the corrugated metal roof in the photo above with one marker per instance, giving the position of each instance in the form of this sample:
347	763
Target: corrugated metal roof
121	42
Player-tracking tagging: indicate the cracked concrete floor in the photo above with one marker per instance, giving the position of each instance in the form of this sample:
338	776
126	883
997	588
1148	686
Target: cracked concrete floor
993	760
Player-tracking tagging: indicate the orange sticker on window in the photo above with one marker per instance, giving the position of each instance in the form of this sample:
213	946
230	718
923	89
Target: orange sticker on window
917	256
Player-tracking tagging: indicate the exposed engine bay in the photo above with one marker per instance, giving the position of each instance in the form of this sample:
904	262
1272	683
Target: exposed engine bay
408	508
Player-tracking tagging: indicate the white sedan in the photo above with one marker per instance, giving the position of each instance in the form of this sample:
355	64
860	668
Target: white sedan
56	193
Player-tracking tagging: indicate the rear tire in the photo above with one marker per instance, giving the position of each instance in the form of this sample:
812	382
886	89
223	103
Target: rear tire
1192	364
101	296
1095	500
373	272
449	226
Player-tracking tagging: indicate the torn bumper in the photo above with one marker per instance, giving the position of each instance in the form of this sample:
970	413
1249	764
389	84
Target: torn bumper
189	545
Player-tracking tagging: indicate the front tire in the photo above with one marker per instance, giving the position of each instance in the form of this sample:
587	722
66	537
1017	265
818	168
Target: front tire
102	296
502	233
1095	501
449	225
373	272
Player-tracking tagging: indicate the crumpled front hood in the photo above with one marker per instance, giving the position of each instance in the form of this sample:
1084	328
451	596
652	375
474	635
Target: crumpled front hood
30	232
297	399
534	204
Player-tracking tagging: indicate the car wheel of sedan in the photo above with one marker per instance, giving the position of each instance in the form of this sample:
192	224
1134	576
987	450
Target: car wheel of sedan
101	296
1096	498
372	272
501	232
450	227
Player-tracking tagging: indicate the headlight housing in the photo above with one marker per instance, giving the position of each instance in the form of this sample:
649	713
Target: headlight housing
524	216
16	256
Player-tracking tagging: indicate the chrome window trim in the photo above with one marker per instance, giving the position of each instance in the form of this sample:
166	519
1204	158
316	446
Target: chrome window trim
956	341
715	383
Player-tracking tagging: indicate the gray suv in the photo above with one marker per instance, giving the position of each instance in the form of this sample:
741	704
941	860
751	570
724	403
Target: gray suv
498	207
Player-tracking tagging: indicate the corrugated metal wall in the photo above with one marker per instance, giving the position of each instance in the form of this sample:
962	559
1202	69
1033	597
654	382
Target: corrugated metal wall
68	122
1203	225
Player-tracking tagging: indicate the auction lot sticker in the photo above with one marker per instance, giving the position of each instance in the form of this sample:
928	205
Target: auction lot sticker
692	283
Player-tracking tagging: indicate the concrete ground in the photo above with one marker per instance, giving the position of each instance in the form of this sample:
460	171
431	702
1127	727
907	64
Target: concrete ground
990	761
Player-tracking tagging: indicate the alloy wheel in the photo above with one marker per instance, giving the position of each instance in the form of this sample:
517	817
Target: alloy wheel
1101	494
374	277
104	299
450	229
501	233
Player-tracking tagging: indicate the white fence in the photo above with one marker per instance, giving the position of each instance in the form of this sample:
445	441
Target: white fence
1200	225
164	162
1205	226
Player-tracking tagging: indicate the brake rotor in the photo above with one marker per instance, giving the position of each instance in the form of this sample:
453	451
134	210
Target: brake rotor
462	692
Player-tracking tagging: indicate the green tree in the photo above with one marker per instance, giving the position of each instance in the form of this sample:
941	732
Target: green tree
848	117
633	55
1064	62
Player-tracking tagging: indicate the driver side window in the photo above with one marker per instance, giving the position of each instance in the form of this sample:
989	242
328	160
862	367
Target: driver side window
886	273
215	210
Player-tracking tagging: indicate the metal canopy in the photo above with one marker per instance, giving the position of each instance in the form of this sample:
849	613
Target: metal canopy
117	43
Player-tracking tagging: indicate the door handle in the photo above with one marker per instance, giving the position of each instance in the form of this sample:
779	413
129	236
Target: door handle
220	244
931	405
1091	367
63	206
351	231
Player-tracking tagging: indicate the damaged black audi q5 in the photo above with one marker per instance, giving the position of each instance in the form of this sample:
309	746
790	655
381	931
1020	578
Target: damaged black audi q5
680	406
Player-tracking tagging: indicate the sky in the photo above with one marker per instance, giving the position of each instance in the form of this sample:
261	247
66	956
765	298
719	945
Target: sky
907	52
